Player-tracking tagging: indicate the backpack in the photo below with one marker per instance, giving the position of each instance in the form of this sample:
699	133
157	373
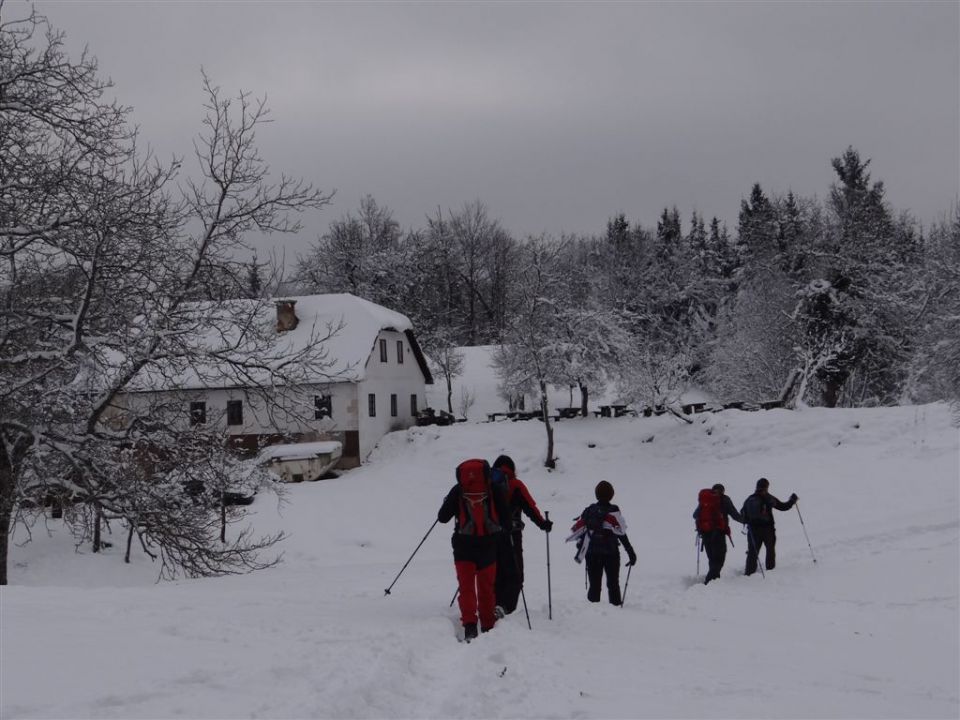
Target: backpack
593	519
754	510
710	512
478	512
602	540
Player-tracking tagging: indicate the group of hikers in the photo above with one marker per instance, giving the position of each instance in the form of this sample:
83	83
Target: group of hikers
488	502
712	516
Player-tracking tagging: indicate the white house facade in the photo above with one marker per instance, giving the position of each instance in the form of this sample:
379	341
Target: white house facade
374	382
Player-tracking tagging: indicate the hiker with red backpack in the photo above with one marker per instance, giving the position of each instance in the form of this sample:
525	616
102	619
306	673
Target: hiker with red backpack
478	509
757	512
713	513
599	532
509	581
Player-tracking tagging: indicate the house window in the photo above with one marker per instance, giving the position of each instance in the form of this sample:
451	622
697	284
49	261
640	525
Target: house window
393	405
383	350
372	405
322	407
198	413
234	412
400	352
413	404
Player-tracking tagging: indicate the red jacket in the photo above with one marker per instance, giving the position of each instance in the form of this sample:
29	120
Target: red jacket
519	499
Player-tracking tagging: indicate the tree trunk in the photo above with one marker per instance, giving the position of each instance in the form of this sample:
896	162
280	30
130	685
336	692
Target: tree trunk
790	390
550	462
223	517
449	393
126	556
10	456
584	397
96	528
6	515
831	391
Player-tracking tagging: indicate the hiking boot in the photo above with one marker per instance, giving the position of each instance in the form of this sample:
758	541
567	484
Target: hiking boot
469	631
499	612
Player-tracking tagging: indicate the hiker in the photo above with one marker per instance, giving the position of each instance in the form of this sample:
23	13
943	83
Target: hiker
599	531
510	551
478	509
757	512
713	513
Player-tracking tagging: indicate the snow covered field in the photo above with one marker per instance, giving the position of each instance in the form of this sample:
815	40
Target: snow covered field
871	630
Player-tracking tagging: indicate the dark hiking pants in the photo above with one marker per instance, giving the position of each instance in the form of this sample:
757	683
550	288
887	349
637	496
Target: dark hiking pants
509	571
759	536
715	545
597	565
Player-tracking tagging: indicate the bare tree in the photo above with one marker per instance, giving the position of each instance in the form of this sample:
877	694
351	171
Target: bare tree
103	260
531	355
655	375
467	400
444	357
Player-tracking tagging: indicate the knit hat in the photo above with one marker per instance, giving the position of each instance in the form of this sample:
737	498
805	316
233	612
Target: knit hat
719	488
505	461
604	491
763	484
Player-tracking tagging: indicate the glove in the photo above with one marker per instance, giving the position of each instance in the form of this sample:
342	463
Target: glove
547	525
633	560
793	498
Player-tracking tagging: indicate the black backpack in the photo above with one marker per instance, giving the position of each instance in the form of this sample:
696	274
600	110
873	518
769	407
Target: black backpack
601	539
593	519
754	510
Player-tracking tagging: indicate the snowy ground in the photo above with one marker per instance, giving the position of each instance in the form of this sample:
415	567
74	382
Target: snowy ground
869	631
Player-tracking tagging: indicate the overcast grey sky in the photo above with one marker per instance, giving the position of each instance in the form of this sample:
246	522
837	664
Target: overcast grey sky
556	115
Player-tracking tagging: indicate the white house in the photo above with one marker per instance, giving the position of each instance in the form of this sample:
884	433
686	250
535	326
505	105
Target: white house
373	381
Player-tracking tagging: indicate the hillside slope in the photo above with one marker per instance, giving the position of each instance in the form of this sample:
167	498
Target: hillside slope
870	630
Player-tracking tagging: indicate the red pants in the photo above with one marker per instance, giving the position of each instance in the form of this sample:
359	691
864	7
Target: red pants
476	593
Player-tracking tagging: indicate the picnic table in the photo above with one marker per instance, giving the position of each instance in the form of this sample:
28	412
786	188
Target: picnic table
615	411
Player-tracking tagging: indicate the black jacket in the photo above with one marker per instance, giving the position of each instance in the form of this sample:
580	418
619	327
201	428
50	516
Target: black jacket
758	509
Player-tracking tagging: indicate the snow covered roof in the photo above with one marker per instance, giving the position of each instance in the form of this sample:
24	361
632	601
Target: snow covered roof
353	322
350	347
299	451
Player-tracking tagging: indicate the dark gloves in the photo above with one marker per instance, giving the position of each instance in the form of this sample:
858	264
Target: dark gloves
633	558
793	497
546	525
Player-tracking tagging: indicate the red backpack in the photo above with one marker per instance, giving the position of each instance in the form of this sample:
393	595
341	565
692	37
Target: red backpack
478	512
710	515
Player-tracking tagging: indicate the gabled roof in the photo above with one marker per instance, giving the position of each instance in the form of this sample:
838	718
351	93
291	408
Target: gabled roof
356	323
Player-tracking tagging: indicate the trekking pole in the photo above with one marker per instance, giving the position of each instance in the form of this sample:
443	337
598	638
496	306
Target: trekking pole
797	506
387	591
549	594
756	550
527	612
698	545
457	592
626	584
